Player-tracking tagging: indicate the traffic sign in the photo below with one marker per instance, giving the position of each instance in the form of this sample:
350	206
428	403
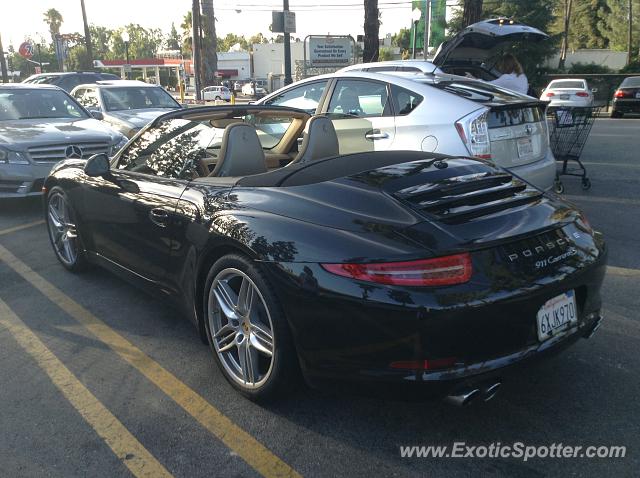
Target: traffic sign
25	50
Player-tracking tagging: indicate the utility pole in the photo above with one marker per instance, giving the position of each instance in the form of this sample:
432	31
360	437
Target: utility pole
630	36
427	29
3	64
197	56
287	48
87	34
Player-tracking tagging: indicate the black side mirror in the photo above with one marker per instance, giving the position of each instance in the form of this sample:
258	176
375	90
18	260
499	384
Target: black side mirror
97	114
97	165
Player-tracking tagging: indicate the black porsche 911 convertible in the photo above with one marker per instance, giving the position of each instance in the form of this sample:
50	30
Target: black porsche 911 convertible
407	268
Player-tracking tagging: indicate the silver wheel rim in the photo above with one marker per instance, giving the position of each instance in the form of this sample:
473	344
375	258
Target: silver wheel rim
241	328
63	231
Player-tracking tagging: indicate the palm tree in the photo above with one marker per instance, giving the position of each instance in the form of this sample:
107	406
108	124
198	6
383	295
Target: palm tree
187	32
371	31
53	18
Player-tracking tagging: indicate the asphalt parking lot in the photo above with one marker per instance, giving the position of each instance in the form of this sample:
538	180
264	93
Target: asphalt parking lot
99	379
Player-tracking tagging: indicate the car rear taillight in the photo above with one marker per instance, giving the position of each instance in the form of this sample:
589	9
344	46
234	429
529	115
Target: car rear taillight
551	94
621	94
474	132
440	271
582	94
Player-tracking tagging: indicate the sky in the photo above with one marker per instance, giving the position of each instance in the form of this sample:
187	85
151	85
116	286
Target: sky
23	18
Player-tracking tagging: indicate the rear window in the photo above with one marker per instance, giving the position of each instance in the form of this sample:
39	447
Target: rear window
513	117
477	91
567	84
632	81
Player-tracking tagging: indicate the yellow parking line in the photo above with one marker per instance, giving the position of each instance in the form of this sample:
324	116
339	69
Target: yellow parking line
623	271
248	448
125	446
20	227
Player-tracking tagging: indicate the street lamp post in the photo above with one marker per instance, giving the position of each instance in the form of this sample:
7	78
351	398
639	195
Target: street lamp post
125	39
416	13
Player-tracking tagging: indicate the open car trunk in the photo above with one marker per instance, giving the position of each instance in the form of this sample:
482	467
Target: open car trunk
474	46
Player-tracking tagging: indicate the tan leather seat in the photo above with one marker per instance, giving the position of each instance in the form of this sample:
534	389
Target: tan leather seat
319	140
241	153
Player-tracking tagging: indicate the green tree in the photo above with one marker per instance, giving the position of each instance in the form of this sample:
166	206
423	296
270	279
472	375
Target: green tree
257	38
101	38
143	43
187	39
615	25
385	54
53	18
402	39
224	44
173	39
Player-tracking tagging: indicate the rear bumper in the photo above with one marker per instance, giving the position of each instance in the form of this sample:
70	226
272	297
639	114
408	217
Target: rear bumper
626	105
540	173
21	180
352	334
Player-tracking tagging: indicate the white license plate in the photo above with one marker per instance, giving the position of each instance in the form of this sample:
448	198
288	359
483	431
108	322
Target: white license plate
564	97
525	147
557	315
637	95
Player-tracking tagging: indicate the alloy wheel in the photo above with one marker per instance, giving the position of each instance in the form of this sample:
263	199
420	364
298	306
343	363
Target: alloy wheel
241	328
63	231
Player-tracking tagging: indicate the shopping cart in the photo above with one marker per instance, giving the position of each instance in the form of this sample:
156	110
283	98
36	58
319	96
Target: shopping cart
569	128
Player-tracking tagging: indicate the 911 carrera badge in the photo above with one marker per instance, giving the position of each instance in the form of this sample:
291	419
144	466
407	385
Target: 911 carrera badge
553	259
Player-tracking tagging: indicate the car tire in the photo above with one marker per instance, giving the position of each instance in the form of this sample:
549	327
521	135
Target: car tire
63	232
217	98
615	114
240	338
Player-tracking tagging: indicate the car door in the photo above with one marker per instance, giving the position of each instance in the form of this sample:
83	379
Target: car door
129	214
362	115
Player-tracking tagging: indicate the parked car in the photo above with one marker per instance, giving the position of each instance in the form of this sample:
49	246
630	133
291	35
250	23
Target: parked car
475	51
253	89
626	98
126	105
212	93
412	269
69	80
39	126
436	113
568	92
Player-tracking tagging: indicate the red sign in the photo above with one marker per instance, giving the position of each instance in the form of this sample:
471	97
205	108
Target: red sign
26	50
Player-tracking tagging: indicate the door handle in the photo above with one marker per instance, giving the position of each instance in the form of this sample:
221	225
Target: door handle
159	217
376	134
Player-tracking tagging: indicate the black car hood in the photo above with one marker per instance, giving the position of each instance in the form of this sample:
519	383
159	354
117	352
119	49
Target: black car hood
440	203
482	40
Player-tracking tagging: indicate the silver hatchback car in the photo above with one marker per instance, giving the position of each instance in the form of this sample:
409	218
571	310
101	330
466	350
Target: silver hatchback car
39	126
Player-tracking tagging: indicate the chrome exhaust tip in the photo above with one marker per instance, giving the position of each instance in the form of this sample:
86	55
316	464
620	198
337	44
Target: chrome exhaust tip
491	391
464	397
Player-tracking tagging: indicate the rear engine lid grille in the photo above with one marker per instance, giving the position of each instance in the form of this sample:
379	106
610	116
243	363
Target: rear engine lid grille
461	198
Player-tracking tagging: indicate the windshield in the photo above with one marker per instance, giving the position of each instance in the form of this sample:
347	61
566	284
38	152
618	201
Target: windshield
18	104
136	98
40	79
567	84
633	81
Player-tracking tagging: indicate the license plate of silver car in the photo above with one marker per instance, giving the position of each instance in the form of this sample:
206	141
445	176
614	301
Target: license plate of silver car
525	148
557	315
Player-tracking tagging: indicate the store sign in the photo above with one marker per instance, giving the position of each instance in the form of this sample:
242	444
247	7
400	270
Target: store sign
330	51
26	50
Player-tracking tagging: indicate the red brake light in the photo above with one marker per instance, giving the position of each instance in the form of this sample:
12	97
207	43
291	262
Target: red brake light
620	94
429	364
551	94
448	270
583	94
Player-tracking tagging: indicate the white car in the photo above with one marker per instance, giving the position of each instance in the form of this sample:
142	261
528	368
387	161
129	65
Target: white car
253	89
440	113
568	92
212	93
